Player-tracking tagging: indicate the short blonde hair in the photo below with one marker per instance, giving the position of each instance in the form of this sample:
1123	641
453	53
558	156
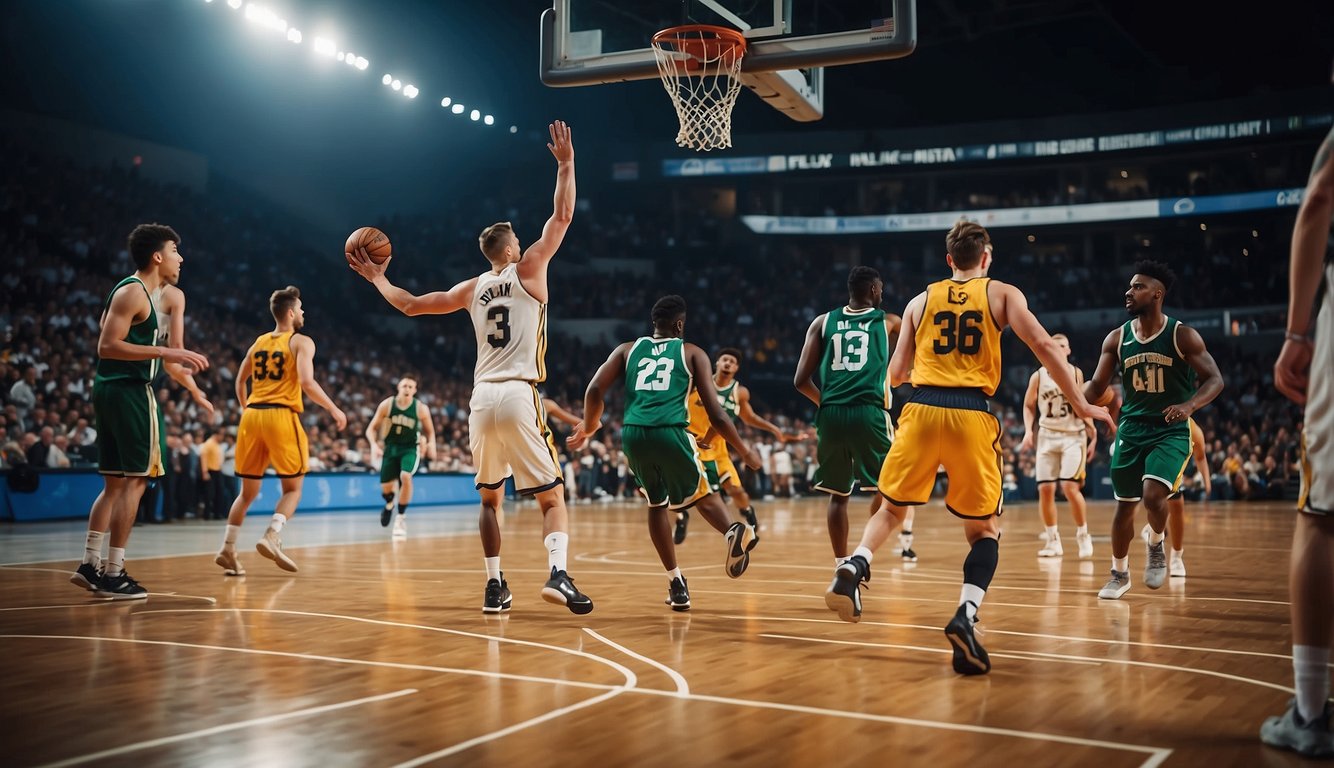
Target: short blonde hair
494	238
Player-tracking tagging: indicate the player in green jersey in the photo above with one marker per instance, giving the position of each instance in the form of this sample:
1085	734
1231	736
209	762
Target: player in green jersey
850	348
403	423
661	371
1167	375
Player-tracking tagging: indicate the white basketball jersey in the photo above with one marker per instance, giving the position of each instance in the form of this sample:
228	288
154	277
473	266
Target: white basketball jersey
1054	411
1318	438
511	328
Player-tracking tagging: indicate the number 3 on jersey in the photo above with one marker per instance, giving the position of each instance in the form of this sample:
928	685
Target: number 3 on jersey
648	381
853	356
499	337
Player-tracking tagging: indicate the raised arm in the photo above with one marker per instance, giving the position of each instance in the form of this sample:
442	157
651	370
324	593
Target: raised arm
1030	412
304	347
1309	241
702	370
804	378
428	429
900	365
1192	348
533	266
594	397
1015	313
434	303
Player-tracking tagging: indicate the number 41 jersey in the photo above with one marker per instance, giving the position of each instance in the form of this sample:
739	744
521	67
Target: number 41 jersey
511	328
958	340
854	368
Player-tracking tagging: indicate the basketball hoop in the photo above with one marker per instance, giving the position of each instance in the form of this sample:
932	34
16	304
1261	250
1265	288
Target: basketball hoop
700	66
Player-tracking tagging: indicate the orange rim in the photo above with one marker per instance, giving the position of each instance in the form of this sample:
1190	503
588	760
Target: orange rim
691	39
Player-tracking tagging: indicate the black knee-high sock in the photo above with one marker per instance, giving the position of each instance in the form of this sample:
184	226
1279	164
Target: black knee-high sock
980	565
402	508
388	498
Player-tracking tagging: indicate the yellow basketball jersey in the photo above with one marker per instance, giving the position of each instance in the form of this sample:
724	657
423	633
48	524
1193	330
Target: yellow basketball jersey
958	340
699	427
273	376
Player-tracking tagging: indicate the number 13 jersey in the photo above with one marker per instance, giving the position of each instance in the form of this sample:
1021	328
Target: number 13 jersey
854	369
511	328
958	340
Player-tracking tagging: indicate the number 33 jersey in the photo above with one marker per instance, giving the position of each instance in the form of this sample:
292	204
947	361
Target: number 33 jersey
854	368
273	375
958	340
511	328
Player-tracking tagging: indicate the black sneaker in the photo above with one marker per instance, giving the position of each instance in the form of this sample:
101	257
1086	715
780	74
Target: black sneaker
909	556
970	658
678	597
386	514
560	590
740	541
844	595
682	520
498	597
86	577
120	587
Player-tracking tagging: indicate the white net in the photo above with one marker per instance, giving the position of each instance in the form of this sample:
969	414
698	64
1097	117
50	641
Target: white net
700	69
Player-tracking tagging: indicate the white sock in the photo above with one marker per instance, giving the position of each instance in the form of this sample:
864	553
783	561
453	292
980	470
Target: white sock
493	568
905	539
1052	534
675	573
557	544
863	552
839	561
229	538
1121	564
1156	537
1082	530
1176	553
115	562
1310	667
277	523
971	596
92	548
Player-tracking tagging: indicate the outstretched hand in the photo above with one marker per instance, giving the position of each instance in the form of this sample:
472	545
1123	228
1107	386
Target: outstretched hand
360	262
580	435
561	144
1098	412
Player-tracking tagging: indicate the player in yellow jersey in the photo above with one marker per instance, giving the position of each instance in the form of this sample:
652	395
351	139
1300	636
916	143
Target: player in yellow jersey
280	366
722	473
949	347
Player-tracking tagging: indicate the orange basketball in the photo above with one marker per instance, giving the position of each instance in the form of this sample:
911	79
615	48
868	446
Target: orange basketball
373	240
1107	396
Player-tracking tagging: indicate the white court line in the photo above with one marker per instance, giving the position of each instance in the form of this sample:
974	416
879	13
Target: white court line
383	622
1140	595
1061	656
1074	638
225	728
993	654
895	599
552	715
682	687
314	657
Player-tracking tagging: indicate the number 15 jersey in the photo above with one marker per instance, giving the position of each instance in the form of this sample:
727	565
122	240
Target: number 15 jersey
958	340
511	328
854	368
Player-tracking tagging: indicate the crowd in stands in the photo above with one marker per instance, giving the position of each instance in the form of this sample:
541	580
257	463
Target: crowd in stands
62	231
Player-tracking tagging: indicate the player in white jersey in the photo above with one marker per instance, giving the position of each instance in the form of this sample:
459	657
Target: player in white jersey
1065	444
507	426
1305	373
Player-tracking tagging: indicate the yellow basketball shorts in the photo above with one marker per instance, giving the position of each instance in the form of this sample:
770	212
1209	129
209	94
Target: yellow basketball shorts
965	442
271	436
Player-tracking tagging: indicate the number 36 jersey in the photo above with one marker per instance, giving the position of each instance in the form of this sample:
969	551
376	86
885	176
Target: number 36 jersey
958	340
657	383
854	367
1154	373
511	328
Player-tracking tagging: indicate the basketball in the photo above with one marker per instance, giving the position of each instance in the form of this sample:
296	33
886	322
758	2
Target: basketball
373	240
1107	396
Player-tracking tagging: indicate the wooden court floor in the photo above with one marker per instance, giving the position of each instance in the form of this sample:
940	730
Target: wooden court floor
377	652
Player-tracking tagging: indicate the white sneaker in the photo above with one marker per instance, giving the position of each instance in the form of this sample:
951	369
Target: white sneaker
1053	548
1178	566
1085	542
227	560
1118	585
400	527
271	546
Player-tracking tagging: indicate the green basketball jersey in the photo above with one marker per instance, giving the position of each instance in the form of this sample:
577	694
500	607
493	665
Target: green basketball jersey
727	399
404	426
144	332
657	383
1154	374
854	369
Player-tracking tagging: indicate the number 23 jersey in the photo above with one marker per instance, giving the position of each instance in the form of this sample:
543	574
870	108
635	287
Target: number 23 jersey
958	340
511	329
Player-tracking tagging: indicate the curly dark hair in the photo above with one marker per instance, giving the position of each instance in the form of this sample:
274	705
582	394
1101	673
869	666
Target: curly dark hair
1158	271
